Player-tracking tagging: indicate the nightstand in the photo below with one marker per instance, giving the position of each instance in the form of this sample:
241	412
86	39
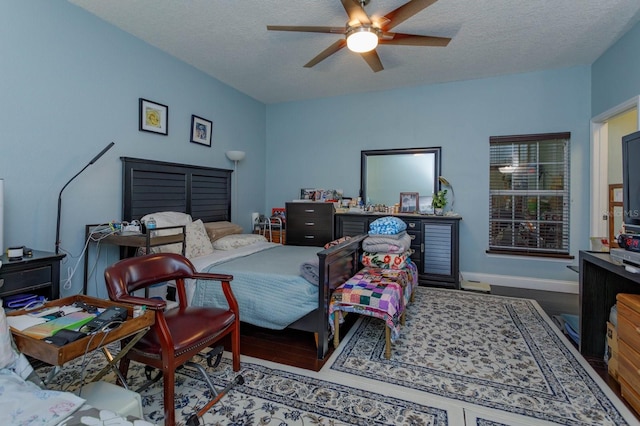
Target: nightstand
36	274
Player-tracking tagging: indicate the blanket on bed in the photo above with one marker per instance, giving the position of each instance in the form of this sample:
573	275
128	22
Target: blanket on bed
268	286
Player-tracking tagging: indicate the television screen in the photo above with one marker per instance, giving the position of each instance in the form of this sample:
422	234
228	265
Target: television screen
631	182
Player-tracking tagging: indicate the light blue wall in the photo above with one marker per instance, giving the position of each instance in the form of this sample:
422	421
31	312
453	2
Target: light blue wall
616	74
69	85
317	143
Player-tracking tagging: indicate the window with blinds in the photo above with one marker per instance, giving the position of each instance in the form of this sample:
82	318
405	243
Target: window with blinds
529	194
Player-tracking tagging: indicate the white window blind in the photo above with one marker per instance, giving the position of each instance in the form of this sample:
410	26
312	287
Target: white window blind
529	194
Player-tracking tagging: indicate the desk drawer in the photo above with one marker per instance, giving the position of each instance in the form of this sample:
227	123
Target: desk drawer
20	281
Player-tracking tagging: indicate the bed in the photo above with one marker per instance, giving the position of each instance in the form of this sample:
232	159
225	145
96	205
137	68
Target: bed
268	297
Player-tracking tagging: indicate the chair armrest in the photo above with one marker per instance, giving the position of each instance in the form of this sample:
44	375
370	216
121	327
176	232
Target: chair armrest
216	277
154	304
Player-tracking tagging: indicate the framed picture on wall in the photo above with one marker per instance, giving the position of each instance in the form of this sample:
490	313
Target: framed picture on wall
201	130
154	117
408	202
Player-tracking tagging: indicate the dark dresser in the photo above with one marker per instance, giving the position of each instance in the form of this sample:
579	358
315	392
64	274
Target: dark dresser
434	240
37	274
309	223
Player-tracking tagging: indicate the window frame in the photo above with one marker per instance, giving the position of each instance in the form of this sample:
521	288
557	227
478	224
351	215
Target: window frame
513	224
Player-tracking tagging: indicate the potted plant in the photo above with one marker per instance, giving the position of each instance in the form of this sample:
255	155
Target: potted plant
439	201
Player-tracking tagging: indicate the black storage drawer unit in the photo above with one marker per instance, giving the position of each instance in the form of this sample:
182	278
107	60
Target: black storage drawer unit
37	274
309	224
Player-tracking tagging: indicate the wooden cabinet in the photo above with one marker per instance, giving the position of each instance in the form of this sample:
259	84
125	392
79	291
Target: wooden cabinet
37	274
309	224
629	348
601	279
434	240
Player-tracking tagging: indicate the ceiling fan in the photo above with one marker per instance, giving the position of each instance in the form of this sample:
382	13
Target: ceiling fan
363	34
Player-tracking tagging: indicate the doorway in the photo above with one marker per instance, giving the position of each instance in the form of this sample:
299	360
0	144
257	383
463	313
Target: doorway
607	130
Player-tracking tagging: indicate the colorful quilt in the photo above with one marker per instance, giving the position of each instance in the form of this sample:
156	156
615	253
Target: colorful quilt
376	292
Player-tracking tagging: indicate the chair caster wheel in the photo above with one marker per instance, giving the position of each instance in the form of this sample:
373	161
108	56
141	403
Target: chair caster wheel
217	352
193	420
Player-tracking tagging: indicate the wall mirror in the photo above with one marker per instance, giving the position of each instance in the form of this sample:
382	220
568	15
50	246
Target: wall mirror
385	173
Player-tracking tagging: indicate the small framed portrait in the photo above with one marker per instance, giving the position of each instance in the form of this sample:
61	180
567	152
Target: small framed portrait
154	117
425	204
408	202
201	130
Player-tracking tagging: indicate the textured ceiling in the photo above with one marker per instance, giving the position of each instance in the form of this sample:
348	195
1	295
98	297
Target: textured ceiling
228	40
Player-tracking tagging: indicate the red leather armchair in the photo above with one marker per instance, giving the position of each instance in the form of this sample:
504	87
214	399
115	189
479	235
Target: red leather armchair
180	333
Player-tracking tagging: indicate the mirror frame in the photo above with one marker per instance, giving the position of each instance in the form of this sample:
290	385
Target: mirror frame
364	155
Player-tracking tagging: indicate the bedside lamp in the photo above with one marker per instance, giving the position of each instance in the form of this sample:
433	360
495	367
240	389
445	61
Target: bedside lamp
235	156
447	184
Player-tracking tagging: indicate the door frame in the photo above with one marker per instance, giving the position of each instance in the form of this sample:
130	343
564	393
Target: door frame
599	165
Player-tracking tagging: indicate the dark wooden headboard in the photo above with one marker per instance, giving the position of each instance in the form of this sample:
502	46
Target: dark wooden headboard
154	186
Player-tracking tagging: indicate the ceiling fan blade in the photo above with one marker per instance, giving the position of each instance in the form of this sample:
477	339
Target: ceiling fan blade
373	60
404	12
326	53
307	29
356	12
413	40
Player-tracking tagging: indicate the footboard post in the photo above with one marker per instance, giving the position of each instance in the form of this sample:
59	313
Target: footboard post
336	265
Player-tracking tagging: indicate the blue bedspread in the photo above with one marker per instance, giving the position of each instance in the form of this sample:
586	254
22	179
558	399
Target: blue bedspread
268	286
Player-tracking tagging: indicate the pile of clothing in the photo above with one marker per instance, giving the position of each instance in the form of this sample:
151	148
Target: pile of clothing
387	244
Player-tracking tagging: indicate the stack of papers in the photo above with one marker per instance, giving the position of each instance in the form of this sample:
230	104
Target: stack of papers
72	321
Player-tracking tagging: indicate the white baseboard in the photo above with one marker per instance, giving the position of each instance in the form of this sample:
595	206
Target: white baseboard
524	282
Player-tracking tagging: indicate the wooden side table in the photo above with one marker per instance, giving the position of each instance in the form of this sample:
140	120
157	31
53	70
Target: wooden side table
135	241
59	355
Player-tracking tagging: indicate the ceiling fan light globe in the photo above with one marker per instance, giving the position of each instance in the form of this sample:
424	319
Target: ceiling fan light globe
362	39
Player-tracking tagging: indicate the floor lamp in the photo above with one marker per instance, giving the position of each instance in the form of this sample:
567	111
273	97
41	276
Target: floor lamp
106	148
235	156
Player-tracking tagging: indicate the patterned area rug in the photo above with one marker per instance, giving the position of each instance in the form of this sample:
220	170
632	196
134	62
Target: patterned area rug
495	355
271	394
461	359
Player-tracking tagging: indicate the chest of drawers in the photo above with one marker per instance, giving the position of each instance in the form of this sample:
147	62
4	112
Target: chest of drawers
309	224
629	348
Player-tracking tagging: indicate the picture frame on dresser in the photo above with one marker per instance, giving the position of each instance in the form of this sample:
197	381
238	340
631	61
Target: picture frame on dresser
409	202
201	129
425	204
153	117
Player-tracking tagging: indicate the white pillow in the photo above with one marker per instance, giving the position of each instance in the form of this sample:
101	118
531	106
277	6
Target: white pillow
231	242
168	219
197	241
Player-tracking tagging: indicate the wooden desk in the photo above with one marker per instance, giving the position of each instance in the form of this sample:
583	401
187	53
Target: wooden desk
601	279
59	355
